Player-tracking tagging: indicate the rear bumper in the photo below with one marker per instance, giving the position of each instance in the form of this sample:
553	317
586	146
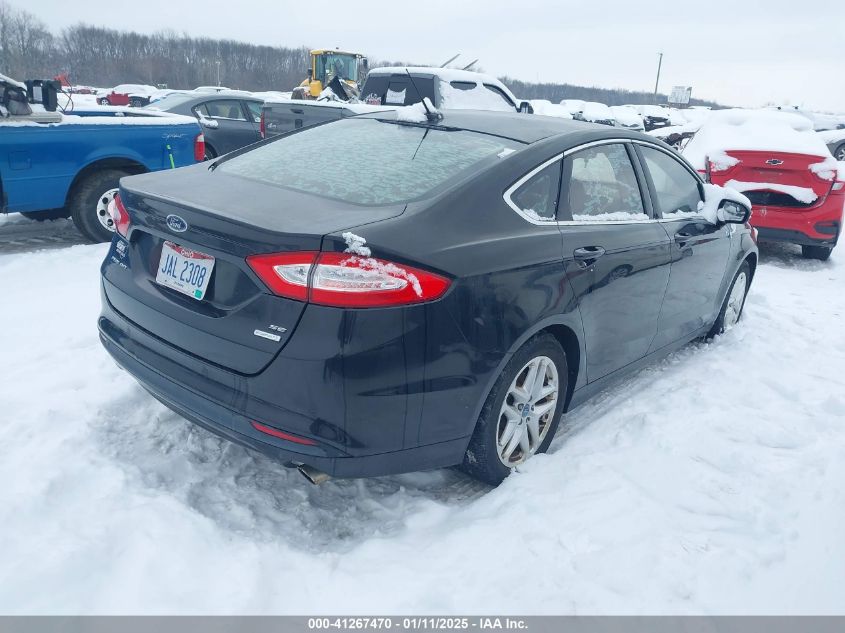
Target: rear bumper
819	226
227	403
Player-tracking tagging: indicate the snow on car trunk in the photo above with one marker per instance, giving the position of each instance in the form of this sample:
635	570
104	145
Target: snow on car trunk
709	483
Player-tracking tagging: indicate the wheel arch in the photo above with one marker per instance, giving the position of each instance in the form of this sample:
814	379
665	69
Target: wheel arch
752	264
210	146
565	329
568	340
128	165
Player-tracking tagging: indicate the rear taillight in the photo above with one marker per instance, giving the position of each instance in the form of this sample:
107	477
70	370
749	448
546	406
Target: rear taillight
199	148
345	280
286	274
119	215
261	127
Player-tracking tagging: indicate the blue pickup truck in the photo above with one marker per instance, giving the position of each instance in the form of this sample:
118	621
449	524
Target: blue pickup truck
69	165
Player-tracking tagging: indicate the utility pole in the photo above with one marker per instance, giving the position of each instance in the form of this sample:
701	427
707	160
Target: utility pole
657	81
218	74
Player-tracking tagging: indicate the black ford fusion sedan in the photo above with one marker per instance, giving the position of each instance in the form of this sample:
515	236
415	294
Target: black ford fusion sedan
376	296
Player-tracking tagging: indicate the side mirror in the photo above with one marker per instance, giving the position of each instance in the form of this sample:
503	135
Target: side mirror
733	212
525	108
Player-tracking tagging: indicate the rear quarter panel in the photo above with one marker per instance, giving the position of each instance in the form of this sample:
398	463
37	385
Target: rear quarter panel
509	282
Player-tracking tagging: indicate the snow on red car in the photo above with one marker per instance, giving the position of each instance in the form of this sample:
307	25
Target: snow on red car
136	95
796	187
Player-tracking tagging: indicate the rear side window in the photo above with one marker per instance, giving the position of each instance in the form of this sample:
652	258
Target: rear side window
537	196
601	186
396	90
369	162
498	91
254	110
222	109
678	191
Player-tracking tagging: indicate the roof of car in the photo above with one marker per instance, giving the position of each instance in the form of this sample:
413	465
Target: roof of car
446	74
526	128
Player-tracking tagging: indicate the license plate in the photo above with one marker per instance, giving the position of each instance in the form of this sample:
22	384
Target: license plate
184	270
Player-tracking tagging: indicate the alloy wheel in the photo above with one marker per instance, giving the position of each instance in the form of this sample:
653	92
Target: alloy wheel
735	301
526	414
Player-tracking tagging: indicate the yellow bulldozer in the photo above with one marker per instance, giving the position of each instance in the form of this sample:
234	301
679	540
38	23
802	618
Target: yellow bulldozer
337	69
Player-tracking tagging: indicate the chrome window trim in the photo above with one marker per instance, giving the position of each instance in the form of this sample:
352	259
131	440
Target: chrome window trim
607	141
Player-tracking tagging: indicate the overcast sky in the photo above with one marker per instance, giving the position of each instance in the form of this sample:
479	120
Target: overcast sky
742	52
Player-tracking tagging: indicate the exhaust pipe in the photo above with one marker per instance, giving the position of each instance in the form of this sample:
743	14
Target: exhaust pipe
313	475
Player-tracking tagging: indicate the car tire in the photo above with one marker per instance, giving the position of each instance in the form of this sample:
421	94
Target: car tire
839	153
104	101
485	455
821	253
210	153
50	214
88	201
734	303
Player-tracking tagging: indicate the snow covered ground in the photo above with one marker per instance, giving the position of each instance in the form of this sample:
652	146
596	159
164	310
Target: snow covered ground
709	483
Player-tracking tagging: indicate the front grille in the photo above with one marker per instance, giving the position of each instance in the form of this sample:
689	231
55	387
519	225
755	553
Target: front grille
776	199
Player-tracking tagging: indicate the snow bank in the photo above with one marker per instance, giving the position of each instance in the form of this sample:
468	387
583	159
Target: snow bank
755	130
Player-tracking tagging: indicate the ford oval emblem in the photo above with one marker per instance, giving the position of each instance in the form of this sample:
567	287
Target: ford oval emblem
175	223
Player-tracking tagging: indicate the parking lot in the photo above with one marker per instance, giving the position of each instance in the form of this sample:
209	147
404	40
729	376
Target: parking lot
716	474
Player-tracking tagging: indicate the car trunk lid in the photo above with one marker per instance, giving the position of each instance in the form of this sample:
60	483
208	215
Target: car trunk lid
238	323
779	179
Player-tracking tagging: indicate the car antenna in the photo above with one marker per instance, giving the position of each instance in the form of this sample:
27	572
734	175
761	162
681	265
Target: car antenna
433	117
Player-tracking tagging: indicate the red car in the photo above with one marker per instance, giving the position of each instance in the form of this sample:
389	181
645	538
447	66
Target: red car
796	187
135	95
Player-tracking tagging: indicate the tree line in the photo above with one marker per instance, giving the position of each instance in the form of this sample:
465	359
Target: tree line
98	56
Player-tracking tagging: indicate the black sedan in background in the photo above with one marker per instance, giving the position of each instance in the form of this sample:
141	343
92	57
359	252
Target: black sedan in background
230	120
381	295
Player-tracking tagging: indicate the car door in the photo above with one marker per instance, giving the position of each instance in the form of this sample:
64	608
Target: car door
233	129
700	250
616	254
253	109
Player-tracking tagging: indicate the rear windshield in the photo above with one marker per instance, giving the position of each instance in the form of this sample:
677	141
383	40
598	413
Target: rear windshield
368	162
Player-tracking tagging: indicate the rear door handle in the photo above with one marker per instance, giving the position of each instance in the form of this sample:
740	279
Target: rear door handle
587	255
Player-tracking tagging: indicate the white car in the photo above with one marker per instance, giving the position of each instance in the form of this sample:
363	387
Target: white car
575	107
595	112
627	117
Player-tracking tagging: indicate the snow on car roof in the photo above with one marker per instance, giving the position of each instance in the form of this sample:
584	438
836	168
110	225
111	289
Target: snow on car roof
594	111
446	74
11	81
754	130
112	116
136	88
626	115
